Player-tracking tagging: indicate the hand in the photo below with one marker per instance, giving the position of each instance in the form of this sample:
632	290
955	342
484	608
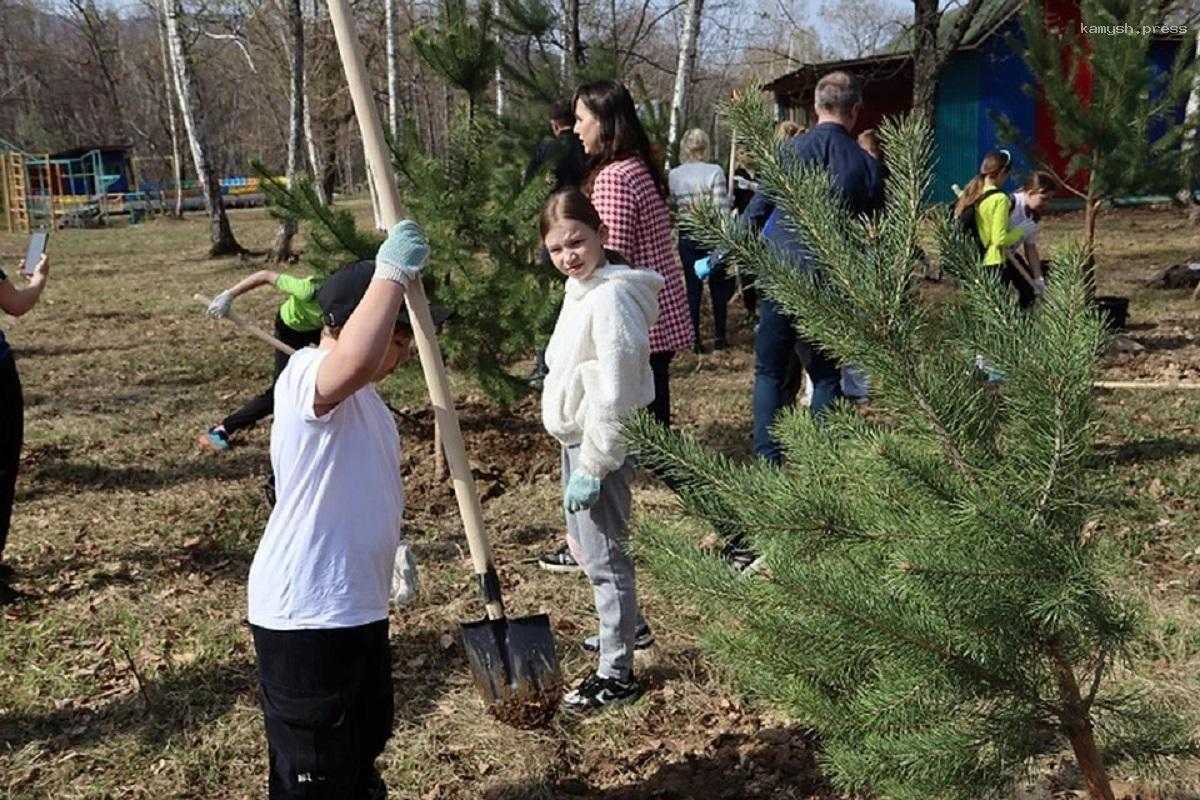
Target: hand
582	492
221	305
703	267
1039	286
43	266
403	255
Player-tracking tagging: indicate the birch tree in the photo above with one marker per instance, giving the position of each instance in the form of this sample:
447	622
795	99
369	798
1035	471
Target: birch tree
393	116
683	71
282	251
169	96
192	109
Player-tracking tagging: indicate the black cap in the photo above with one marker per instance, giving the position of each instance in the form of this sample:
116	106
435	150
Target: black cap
343	291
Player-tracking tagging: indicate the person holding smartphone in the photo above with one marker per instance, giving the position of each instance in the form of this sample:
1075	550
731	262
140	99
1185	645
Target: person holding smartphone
15	301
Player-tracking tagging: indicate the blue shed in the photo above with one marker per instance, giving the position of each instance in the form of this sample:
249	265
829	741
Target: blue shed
983	80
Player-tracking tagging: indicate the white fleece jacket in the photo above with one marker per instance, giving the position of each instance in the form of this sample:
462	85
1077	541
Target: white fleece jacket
599	360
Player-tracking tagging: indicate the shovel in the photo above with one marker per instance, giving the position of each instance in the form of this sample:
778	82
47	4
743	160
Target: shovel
512	660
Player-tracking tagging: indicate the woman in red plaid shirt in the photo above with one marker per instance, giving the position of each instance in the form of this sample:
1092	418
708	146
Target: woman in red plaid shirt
627	188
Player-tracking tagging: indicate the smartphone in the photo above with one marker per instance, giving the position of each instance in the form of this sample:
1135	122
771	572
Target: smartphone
33	253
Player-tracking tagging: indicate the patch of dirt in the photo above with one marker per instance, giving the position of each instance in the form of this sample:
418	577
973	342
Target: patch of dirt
506	450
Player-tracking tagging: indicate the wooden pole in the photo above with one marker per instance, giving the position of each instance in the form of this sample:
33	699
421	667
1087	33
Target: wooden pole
418	307
49	192
1168	385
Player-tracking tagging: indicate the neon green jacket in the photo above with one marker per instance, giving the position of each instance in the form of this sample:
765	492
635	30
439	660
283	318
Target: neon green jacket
300	311
991	220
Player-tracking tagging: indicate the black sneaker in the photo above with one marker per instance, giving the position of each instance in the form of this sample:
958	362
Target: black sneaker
643	638
594	693
6	572
559	561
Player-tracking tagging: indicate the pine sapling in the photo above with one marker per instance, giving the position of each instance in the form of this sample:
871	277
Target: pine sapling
936	604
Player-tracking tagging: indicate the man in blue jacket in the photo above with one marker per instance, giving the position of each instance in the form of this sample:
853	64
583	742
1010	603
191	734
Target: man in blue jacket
856	180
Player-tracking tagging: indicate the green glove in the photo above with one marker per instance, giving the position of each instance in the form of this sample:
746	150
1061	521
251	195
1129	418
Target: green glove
582	492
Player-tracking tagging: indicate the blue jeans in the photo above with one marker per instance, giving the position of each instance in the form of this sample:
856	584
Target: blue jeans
776	346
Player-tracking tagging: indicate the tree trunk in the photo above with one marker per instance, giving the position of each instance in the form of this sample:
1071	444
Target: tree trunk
376	211
683	73
287	227
1189	143
393	88
223	241
1078	727
574	41
499	72
169	83
926	55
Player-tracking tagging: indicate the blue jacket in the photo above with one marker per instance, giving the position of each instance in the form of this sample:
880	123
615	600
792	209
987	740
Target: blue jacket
856	177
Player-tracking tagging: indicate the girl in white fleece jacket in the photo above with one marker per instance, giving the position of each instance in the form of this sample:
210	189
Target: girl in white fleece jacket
599	373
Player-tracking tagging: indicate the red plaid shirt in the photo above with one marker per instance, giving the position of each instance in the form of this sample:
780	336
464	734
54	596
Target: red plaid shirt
639	228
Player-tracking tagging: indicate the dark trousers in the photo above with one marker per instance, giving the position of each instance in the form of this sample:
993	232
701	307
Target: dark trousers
721	287
776	346
12	436
262	405
660	366
327	700
1013	278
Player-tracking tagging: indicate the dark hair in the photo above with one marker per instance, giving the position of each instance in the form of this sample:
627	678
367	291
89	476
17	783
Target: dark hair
1038	182
562	112
572	204
621	132
995	162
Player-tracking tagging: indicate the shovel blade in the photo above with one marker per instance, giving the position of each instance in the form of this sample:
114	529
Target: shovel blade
512	657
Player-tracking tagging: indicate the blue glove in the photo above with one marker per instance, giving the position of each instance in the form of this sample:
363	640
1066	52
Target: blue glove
582	492
402	256
703	267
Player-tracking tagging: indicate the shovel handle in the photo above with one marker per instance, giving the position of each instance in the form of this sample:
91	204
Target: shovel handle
384	182
249	327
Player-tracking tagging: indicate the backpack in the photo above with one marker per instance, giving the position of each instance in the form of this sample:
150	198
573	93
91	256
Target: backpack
966	220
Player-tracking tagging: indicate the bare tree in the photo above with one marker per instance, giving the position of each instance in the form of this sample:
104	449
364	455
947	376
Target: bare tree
859	28
169	97
929	53
282	251
192	110
393	116
683	72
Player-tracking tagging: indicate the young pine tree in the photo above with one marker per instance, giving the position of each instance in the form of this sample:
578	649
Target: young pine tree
935	605
1118	119
482	227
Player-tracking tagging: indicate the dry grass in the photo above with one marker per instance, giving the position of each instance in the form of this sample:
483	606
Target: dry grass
131	674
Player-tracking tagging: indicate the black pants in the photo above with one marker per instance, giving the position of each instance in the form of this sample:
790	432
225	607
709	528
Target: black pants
327	699
12	436
261	406
660	366
721	287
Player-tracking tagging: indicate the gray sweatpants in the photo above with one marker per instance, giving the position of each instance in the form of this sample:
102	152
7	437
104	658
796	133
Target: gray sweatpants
597	539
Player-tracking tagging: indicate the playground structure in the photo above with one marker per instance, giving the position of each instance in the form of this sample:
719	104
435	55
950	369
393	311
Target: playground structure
83	186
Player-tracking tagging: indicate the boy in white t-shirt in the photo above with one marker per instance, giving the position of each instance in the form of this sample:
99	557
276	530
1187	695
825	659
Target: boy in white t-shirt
319	585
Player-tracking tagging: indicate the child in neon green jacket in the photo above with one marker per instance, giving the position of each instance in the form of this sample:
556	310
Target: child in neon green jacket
297	324
993	210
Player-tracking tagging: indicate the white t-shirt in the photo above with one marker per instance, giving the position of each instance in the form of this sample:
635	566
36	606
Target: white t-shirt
1020	214
325	559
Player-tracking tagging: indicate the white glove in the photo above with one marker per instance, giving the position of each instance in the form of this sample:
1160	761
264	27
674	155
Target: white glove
1027	228
1039	286
405	581
221	305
